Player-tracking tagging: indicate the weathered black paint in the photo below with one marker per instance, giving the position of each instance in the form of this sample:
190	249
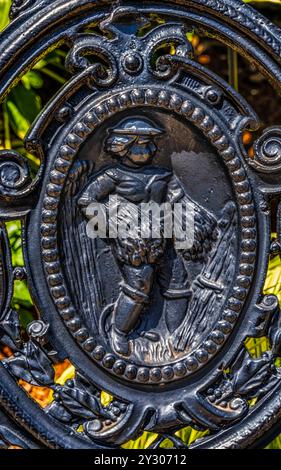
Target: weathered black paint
207	378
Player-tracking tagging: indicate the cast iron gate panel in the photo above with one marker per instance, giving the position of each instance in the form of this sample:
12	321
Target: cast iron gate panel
160	327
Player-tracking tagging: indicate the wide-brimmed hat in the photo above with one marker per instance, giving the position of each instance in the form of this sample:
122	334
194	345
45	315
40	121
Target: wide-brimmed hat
137	127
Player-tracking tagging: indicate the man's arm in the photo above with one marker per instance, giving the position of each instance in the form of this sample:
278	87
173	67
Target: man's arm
175	192
96	191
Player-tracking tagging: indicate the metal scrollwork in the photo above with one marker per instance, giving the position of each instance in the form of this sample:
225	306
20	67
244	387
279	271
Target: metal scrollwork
159	323
76	402
251	378
267	156
18	6
14	174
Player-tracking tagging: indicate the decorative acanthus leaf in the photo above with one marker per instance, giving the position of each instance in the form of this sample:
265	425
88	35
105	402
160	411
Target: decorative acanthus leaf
39	364
82	384
82	404
242	357
18	367
226	388
10	329
267	386
252	374
59	412
275	334
7	341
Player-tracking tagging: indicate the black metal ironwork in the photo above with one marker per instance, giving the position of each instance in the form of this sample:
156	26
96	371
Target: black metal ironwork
159	328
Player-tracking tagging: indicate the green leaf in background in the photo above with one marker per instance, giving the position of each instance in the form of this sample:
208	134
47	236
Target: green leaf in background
14	234
32	79
21	296
23	106
17	121
264	2
143	442
4	13
21	300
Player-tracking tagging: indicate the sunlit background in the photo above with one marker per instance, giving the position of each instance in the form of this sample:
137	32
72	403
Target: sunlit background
27	99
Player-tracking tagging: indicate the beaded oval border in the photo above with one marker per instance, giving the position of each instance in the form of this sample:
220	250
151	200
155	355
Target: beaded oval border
172	101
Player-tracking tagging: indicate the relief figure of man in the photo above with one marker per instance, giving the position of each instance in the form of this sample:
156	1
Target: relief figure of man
135	179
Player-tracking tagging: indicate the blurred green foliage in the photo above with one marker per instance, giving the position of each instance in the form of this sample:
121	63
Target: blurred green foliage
16	115
188	435
17	112
21	300
264	3
4	13
27	98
